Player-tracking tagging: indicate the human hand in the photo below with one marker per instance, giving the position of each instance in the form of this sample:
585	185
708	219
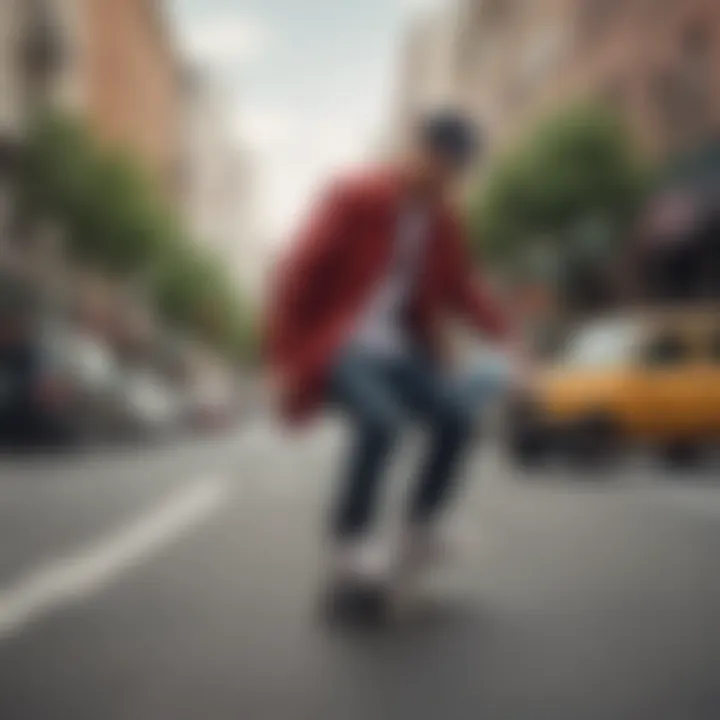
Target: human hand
277	388
520	363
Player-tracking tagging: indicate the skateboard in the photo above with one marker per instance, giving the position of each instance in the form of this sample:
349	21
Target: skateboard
385	601
355	603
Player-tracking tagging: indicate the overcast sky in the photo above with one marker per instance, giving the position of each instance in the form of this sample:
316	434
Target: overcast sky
308	83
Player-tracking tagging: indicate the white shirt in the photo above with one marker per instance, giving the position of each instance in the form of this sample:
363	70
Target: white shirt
380	330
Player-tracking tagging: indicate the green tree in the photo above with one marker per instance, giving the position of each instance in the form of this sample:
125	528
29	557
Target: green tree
102	199
564	194
115	222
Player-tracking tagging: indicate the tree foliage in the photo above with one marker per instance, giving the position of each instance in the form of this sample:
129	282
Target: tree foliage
114	221
571	185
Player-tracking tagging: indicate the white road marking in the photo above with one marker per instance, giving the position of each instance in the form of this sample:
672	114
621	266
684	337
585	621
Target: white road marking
85	573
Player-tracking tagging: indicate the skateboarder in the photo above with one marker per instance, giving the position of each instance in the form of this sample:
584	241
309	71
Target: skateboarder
355	322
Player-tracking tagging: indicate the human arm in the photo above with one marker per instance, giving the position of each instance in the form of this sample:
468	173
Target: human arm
301	276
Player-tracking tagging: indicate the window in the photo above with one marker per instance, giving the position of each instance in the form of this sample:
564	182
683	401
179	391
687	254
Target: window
697	66
666	350
614	95
658	6
601	346
94	362
668	103
697	42
597	15
683	93
542	55
500	11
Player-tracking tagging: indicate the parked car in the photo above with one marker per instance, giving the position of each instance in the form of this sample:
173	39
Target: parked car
31	398
211	407
56	385
650	378
153	406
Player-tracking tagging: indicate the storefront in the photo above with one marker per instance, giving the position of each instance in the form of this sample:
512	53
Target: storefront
677	256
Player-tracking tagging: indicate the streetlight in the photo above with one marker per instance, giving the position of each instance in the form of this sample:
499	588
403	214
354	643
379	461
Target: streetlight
43	52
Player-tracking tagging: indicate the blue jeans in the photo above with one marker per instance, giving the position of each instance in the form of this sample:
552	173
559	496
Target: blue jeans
487	380
378	395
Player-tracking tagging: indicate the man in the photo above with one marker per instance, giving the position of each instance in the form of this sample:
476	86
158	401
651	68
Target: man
356	321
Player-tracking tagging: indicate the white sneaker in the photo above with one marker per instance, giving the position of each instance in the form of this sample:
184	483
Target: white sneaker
422	547
359	562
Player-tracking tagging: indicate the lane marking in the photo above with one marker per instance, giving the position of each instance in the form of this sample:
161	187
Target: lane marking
81	575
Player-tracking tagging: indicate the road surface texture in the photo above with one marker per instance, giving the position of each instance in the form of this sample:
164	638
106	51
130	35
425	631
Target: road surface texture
179	583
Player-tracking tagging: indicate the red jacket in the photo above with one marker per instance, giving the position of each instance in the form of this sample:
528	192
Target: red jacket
330	272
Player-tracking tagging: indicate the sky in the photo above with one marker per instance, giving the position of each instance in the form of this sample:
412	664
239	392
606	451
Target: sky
308	85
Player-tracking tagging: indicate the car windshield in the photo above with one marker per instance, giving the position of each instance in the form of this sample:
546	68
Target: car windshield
88	359
148	392
601	345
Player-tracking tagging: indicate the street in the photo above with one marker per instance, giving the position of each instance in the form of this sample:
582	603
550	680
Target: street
180	582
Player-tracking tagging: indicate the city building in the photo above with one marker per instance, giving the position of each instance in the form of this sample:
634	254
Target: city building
218	182
32	52
132	81
113	63
10	106
653	61
10	71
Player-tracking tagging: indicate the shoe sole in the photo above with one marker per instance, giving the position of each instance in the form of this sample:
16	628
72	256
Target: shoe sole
356	604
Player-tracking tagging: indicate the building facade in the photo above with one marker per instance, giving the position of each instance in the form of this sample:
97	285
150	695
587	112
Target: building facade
219	182
132	84
11	109
11	106
115	64
117	68
653	61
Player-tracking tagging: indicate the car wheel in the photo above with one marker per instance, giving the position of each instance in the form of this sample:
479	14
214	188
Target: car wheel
682	455
528	448
594	441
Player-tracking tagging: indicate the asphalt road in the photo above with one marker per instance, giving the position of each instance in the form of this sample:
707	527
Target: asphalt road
179	583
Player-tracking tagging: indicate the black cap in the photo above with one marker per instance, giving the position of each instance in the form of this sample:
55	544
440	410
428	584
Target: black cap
451	135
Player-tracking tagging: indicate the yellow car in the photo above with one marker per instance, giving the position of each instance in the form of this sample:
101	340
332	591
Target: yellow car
649	377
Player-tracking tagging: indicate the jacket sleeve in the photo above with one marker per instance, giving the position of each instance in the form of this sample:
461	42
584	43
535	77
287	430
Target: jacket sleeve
466	292
302	271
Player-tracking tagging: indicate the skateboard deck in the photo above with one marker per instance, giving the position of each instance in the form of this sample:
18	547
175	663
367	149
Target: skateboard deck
386	601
